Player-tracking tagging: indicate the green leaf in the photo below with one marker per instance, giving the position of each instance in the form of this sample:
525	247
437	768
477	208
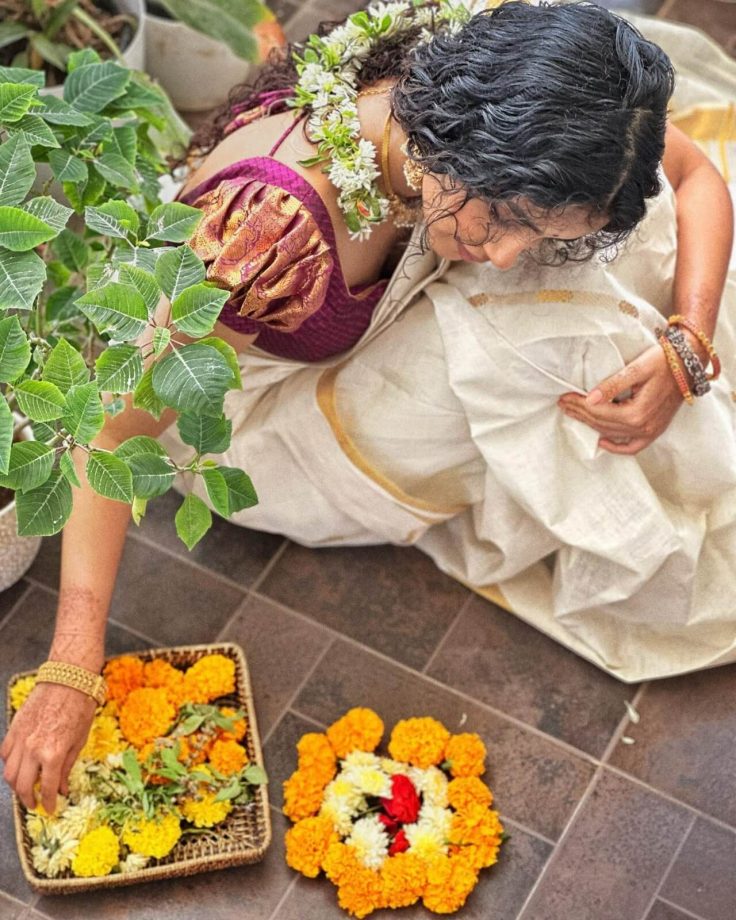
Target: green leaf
173	222
42	432
193	520
160	340
58	274
132	768
71	250
110	476
192	379
65	367
92	87
116	309
67	168
21	231
117	170
22	275
21	75
80	58
17	170
144	396
94	188
230	355
30	465
241	493
125	141
60	305
15	352
138	509
140	256
44	511
152	476
113	218
40	401
231	791
196	309
191	723
49	210
139	445
178	269
119	368
205	434
255	775
229	21
15	101
144	283
59	112
11	32
36	131
85	414
7	423
66	465
217	491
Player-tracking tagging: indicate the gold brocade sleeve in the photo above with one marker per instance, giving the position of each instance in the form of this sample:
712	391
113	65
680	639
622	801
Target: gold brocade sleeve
262	243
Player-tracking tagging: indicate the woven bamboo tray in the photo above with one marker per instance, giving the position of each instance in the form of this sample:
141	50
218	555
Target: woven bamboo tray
241	838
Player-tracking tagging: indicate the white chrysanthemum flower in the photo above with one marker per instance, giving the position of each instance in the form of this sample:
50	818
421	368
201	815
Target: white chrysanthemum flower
392	767
113	761
431	784
342	791
436	819
78	820
340	814
52	863
371	780
133	862
425	841
361	759
36	827
80	780
370	841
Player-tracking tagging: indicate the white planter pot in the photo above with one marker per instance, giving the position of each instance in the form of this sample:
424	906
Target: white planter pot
196	71
16	553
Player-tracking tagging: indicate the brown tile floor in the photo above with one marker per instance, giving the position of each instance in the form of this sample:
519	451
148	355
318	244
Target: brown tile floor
600	830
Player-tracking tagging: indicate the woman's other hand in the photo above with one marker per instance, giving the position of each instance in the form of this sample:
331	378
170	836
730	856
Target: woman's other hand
628	426
43	741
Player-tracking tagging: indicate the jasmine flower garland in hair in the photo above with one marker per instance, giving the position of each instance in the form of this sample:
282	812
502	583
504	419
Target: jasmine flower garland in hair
328	69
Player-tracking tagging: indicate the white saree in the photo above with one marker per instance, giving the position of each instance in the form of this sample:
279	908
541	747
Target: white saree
441	429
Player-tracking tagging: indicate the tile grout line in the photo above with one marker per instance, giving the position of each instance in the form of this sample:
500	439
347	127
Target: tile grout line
302	715
565	831
155	643
6	619
219	636
284	897
266	570
623	724
684	910
665	874
444	638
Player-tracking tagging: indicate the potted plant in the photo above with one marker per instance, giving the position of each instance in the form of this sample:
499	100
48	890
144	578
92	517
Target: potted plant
42	35
80	280
199	51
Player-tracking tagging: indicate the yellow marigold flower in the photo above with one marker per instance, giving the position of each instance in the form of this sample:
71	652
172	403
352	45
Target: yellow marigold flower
156	837
104	738
302	795
240	726
449	882
209	678
419	741
228	757
21	690
403	878
358	730
307	843
476	831
204	811
360	892
316	756
123	675
146	714
161	674
468	790
340	862
98	853
466	754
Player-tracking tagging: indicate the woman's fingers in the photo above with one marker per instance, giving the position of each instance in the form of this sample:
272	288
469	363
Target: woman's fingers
26	779
612	430
633	446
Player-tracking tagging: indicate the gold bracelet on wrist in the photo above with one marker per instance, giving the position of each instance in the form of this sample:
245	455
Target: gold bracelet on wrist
71	675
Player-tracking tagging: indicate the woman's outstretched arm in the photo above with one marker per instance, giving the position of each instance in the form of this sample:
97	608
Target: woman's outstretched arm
704	241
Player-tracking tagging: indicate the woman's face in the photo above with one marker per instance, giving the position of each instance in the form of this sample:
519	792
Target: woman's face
473	234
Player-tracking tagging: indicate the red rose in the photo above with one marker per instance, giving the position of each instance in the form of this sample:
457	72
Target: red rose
399	844
404	803
390	824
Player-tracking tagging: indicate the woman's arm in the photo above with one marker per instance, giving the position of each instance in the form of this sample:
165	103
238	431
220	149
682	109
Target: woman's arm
704	241
50	729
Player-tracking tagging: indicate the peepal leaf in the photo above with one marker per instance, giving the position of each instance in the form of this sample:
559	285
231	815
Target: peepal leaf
15	100
173	222
207	435
22	275
66	465
36	131
152	475
241	493
196	309
193	520
50	211
17	170
119	368
15	352
116	309
40	401
91	88
65	367
177	269
6	435
30	465
44	511
192	379
85	414
21	231
110	476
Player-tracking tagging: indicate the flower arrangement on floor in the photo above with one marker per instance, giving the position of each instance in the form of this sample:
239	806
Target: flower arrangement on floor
388	831
162	761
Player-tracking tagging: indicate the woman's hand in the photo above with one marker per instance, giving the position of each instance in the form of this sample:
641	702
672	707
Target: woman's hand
632	424
46	736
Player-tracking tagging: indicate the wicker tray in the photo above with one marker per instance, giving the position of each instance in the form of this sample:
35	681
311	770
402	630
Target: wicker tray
240	839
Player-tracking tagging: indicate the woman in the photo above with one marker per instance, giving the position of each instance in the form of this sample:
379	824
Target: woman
531	128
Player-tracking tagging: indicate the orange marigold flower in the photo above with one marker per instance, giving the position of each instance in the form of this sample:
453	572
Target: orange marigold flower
358	730
210	677
159	673
466	754
339	862
146	714
403	878
420	742
123	675
476	832
307	843
449	882
316	756
468	790
302	795
360	892
193	749
237	732
228	757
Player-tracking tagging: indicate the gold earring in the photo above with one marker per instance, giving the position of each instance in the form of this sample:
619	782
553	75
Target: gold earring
413	171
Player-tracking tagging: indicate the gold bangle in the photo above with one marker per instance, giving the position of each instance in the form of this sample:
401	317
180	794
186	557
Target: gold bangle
678	320
676	370
71	675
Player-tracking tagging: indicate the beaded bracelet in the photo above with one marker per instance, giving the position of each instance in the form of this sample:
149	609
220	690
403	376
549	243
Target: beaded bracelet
692	362
71	675
678	320
676	370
